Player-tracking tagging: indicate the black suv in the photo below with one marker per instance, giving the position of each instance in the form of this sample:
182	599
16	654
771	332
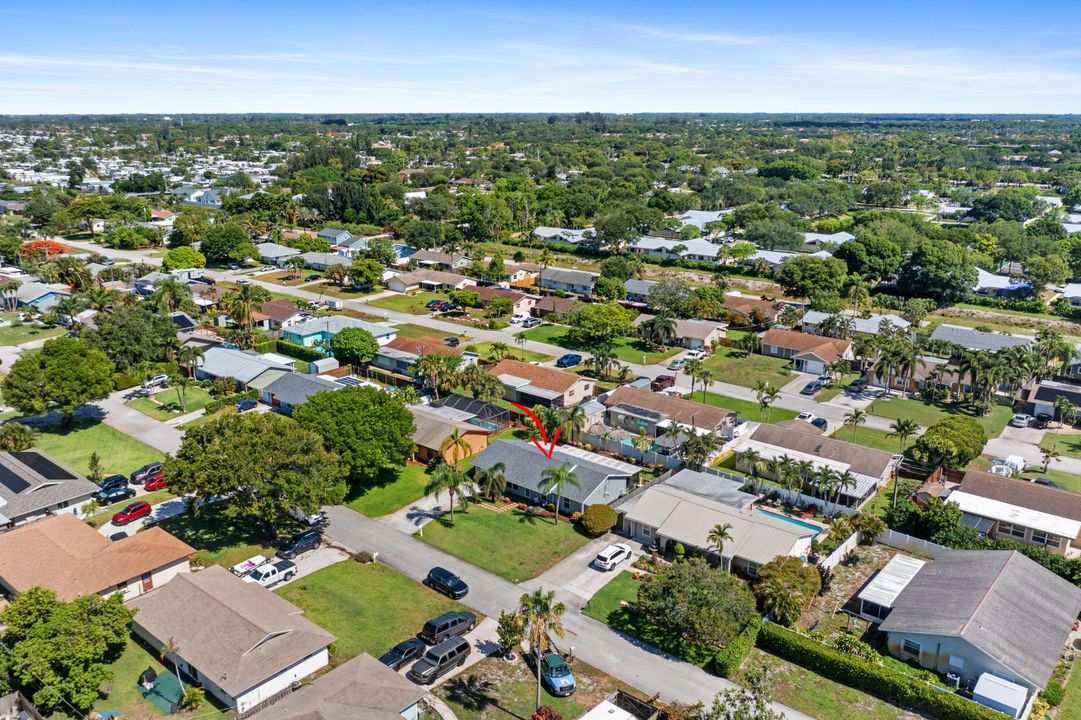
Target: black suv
403	652
440	660
446	582
139	476
113	481
447	625
299	544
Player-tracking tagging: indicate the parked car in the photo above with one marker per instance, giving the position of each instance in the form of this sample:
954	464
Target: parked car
1020	420
811	388
132	513
697	354
112	481
532	323
270	574
300	544
447	625
1015	463
158	380
820	423
114	495
243	406
556	675
315	519
518	318
452	341
433	303
1042	420
139	476
677	364
858	385
313	276
439	661
118	536
662	382
156	481
806	416
1045	481
402	653
825	380
444	581
234	266
243	568
612	556
569	360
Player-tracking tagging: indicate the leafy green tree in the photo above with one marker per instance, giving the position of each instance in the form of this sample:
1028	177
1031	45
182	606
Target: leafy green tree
15	437
260	465
938	268
1046	270
132	335
354	345
59	652
64	375
620	267
773	234
752	700
954	441
609	288
601	323
191	226
365	272
223	242
807	276
369	430
870	256
786	586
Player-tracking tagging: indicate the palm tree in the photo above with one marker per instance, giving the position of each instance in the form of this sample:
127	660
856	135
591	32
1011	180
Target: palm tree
456	444
189	356
779	601
717	537
557	478
10	290
170	295
100	298
171	648
491	481
825	480
903	429
294	264
432	368
1064	408
181	382
854	419
706	376
337	274
766	397
499	350
542	615
241	303
643	442
446	478
692	369
751	460
658	330
68	307
1049	454
574	421
845	481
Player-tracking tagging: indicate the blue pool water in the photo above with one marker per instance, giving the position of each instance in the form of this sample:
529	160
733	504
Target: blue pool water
817	530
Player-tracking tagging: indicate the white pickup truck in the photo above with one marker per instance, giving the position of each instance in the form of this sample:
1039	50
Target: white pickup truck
242	569
272	573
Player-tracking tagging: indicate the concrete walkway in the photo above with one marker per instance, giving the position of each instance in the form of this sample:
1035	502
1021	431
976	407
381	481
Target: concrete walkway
576	573
158	435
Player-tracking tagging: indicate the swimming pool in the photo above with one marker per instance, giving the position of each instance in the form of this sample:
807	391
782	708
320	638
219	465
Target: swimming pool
818	530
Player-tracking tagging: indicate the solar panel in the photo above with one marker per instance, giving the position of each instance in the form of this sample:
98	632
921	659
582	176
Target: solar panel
42	465
183	322
11	480
347	381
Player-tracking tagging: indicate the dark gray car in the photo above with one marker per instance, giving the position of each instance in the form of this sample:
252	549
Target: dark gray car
439	661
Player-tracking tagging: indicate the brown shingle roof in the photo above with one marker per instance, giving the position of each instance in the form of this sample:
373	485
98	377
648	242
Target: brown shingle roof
66	555
542	377
436	276
276	310
423	346
746	305
488	294
678	409
1023	493
865	460
551	303
430	430
827	348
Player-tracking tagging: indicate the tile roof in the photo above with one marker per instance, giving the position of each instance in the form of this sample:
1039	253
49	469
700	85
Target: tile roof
827	348
859	458
487	294
65	554
537	375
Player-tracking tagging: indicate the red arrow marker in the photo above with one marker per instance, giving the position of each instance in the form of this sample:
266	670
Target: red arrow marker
551	446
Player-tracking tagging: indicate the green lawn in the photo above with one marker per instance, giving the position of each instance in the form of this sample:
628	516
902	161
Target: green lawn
393	489
606	603
872	437
370	608
119	453
925	413
1070	707
734	366
103	515
25	332
745	408
165	405
406	303
220	539
484	349
836	389
511	544
1069	444
418	331
627	349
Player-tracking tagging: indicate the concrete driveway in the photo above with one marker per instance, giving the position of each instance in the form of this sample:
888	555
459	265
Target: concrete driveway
576	573
165	509
483	641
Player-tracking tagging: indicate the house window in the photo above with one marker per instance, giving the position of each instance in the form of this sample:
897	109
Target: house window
1041	538
910	648
1011	530
957	663
646	532
752	569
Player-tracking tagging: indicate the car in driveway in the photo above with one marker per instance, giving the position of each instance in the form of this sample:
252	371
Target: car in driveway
532	323
402	653
662	382
156	481
1020	420
569	360
139	476
439	661
114	495
135	511
158	380
1042	420
811	388
677	364
696	354
608	558
858	385
556	675
518	319
313	276
452	341
112	481
300	544
447	625
444	581
243	406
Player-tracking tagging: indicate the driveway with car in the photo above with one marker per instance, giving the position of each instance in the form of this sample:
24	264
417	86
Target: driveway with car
577	574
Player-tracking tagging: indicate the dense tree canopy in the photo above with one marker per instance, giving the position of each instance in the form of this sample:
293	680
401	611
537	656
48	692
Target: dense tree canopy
64	375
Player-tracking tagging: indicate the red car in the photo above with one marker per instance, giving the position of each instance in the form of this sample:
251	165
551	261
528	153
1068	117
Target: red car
156	482
132	513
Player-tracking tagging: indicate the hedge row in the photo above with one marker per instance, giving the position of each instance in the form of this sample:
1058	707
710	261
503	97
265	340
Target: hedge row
889	684
726	662
300	352
1028	304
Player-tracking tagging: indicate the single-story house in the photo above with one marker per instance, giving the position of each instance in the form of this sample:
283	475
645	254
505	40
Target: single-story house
320	330
928	371
532	385
977	612
567	235
713	487
438	260
1039	396
693	334
576	282
34	485
872	324
42	296
241	642
869	468
764	309
552	305
972	339
700	218
64	554
275	314
601	479
775	257
814	241
664	514
521	303
1019	510
360	689
635	410
359	245
275	254
433	428
523	274
324	260
638	290
290	390
399	355
428	280
203	197
242	366
999	285
487	416
698	249
877	597
808	353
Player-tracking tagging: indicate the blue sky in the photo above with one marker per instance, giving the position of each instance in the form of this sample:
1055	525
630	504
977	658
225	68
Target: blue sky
335	56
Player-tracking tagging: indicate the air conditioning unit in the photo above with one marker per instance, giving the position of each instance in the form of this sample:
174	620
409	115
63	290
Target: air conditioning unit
953	679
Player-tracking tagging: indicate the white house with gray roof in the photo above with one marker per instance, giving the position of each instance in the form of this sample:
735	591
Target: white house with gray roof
275	254
320	330
567	235
638	290
291	390
33	485
243	367
872	324
576	282
972	339
697	249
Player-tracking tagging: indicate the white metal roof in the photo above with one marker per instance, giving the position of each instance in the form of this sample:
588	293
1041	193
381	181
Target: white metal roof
606	710
1005	512
891	580
1000	691
604	460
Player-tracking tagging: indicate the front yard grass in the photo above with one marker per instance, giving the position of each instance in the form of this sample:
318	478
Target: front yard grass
73	447
165	405
627	349
370	608
836	389
511	544
25	332
484	349
392	490
1069	444
1070	707
219	539
406	303
927	414
105	514
418	331
737	367
874	438
745	408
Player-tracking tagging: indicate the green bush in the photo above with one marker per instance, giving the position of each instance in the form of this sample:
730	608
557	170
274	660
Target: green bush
598	519
679	552
889	684
124	381
299	352
729	659
1053	693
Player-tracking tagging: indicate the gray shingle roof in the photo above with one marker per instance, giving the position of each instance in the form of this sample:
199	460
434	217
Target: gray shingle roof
998	601
639	287
295	389
567	276
976	340
36	492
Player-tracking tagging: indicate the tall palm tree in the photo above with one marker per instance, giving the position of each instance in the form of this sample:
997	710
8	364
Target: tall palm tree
456	484
242	302
432	368
766	397
542	615
691	369
457	445
854	419
499	350
1064	408
751	460
717	537
827	481
557	478
643	442
170	295
1049	454
189	356
337	274
491	481
100	298
574	421
171	648
845	481
903	429
707	376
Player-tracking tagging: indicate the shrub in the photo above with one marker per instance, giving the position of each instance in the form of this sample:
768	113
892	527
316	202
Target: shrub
728	660
889	684
194	697
125	381
364	557
598	519
679	552
1053	693
546	712
299	352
